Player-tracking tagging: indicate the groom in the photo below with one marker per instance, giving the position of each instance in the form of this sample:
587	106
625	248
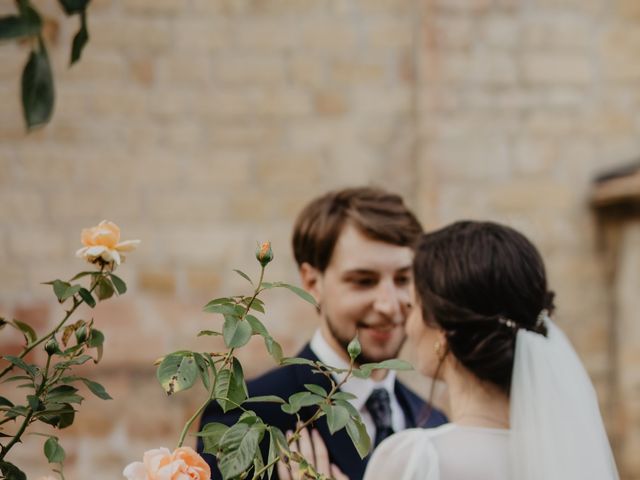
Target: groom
353	248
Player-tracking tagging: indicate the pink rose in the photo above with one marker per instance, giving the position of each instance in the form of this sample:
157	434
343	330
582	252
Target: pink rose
160	464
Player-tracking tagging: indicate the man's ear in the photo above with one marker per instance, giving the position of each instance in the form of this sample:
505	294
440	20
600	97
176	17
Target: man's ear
310	277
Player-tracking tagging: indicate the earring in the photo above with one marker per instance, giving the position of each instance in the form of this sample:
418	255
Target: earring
439	349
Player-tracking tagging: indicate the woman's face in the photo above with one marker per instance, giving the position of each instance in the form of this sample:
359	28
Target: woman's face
422	339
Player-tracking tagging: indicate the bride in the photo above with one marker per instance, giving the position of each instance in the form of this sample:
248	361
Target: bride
521	404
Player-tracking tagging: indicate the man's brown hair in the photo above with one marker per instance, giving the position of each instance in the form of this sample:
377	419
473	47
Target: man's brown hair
376	213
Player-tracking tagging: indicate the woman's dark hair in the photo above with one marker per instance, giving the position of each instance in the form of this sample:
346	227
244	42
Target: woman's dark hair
471	278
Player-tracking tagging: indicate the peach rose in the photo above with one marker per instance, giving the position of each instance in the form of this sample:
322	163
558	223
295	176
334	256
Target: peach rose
160	464
102	243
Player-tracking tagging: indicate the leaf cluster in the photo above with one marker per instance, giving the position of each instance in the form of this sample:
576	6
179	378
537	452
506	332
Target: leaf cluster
38	95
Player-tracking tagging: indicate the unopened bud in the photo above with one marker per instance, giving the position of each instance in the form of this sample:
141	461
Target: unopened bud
354	348
51	346
81	334
264	254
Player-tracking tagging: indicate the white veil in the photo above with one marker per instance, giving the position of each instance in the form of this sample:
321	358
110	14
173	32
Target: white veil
556	428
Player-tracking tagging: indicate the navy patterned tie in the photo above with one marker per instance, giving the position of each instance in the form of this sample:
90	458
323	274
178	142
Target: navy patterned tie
379	406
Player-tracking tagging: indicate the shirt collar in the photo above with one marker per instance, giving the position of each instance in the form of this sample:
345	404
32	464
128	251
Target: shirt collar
360	387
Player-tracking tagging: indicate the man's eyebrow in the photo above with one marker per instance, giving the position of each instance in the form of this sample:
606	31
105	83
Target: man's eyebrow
365	271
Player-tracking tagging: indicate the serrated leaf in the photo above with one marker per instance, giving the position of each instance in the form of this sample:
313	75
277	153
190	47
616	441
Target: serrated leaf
28	332
225	309
177	372
392	364
243	275
74	6
256	304
60	416
221	392
64	394
209	332
121	287
343	396
236	332
303	294
5	402
297	361
359	436
53	450
203	369
59	288
87	297
257	327
317	389
265	398
11	472
18	362
104	288
337	417
79	41
97	389
34	402
211	434
245	440
274	349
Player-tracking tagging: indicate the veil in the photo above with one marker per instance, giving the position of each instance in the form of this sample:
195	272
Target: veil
556	428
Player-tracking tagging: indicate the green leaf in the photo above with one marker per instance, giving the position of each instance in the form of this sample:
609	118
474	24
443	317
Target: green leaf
303	294
265	398
71	291
274	349
276	442
59	288
84	274
241	444
317	389
243	275
58	415
74	6
53	450
257	327
177	372
359	436
28	332
18	362
223	384
37	88
28	24
211	434
104	288
337	417
343	396
34	403
236	332
97	389
238	392
299	400
64	394
208	332
392	364
225	309
5	402
79	41
121	287
203	369
297	361
96	340
87	297
11	472
350	408
256	304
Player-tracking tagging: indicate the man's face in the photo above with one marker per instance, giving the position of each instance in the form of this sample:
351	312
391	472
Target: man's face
365	289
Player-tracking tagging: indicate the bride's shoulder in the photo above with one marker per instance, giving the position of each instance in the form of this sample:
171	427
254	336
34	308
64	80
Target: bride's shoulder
411	438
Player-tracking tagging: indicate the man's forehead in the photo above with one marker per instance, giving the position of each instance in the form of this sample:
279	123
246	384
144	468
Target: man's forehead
354	251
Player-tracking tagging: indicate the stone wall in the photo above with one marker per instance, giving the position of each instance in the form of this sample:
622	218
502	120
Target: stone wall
202	126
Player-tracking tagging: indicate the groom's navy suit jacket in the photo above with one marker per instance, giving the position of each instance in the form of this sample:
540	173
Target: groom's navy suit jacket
290	379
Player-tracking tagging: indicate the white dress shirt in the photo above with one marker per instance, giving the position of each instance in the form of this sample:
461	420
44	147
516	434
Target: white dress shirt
360	387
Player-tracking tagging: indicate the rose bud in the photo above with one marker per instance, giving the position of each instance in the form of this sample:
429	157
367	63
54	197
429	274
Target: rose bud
51	346
81	334
264	254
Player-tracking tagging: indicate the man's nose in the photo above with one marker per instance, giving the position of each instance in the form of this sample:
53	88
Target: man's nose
388	300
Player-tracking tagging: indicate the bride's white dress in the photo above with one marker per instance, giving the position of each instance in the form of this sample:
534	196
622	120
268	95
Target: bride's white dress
449	452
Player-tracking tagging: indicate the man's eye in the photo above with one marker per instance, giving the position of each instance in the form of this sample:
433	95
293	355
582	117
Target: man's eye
364	282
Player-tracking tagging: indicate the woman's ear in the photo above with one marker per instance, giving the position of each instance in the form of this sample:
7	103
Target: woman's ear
311	280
